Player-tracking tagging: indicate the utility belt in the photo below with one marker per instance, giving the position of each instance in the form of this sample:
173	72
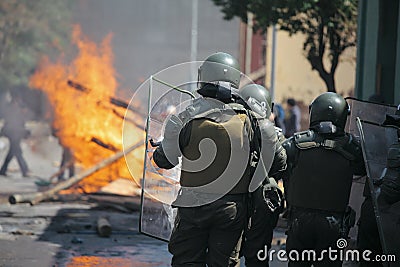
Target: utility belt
345	219
294	209
235	197
193	197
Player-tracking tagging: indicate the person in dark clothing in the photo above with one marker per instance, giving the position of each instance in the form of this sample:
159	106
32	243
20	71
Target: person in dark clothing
14	130
67	161
293	118
321	164
279	117
267	199
67	157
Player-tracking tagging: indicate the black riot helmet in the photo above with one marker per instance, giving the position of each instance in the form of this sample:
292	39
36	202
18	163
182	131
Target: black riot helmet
328	113
217	75
258	98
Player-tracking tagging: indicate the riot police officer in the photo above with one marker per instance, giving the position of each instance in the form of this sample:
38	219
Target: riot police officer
321	164
214	139
267	200
389	197
390	188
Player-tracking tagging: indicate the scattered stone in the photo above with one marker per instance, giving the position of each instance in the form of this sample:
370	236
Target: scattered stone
22	232
76	240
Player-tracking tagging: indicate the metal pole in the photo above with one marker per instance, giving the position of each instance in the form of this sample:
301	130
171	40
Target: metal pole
273	58
193	47
249	36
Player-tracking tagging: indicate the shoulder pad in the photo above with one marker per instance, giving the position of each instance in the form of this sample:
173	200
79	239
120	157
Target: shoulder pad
267	130
305	139
290	147
198	108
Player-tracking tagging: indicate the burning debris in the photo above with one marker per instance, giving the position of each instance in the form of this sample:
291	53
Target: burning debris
35	198
89	119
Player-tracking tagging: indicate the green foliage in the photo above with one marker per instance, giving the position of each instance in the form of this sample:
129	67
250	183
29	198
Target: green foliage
330	26
28	29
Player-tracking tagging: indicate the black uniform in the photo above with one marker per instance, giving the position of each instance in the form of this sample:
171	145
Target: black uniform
320	171
268	203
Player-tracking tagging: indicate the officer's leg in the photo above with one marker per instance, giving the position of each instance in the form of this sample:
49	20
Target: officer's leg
230	219
368	236
188	242
299	238
327	234
258	238
259	235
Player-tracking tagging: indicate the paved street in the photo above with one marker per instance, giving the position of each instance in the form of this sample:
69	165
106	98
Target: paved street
64	233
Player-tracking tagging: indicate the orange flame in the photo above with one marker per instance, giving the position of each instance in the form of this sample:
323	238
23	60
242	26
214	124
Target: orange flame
85	112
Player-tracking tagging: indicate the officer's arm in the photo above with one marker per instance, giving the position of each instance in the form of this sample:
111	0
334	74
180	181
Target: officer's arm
160	159
269	144
279	164
167	154
291	152
358	164
390	188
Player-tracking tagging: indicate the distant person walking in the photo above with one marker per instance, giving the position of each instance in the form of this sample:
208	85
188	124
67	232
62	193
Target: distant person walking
67	161
292	119
14	130
67	157
279	116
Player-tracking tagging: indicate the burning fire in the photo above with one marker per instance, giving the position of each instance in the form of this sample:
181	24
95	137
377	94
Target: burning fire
85	116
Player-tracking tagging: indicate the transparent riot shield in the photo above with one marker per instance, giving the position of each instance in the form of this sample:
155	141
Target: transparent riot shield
375	141
160	186
369	111
164	93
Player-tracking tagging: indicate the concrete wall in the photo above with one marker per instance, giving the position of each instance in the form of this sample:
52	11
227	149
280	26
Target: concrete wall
378	60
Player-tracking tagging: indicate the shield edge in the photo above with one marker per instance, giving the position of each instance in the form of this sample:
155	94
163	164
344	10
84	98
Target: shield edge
145	154
371	185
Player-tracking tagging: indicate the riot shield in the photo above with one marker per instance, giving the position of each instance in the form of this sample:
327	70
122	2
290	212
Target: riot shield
375	141
160	186
369	111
